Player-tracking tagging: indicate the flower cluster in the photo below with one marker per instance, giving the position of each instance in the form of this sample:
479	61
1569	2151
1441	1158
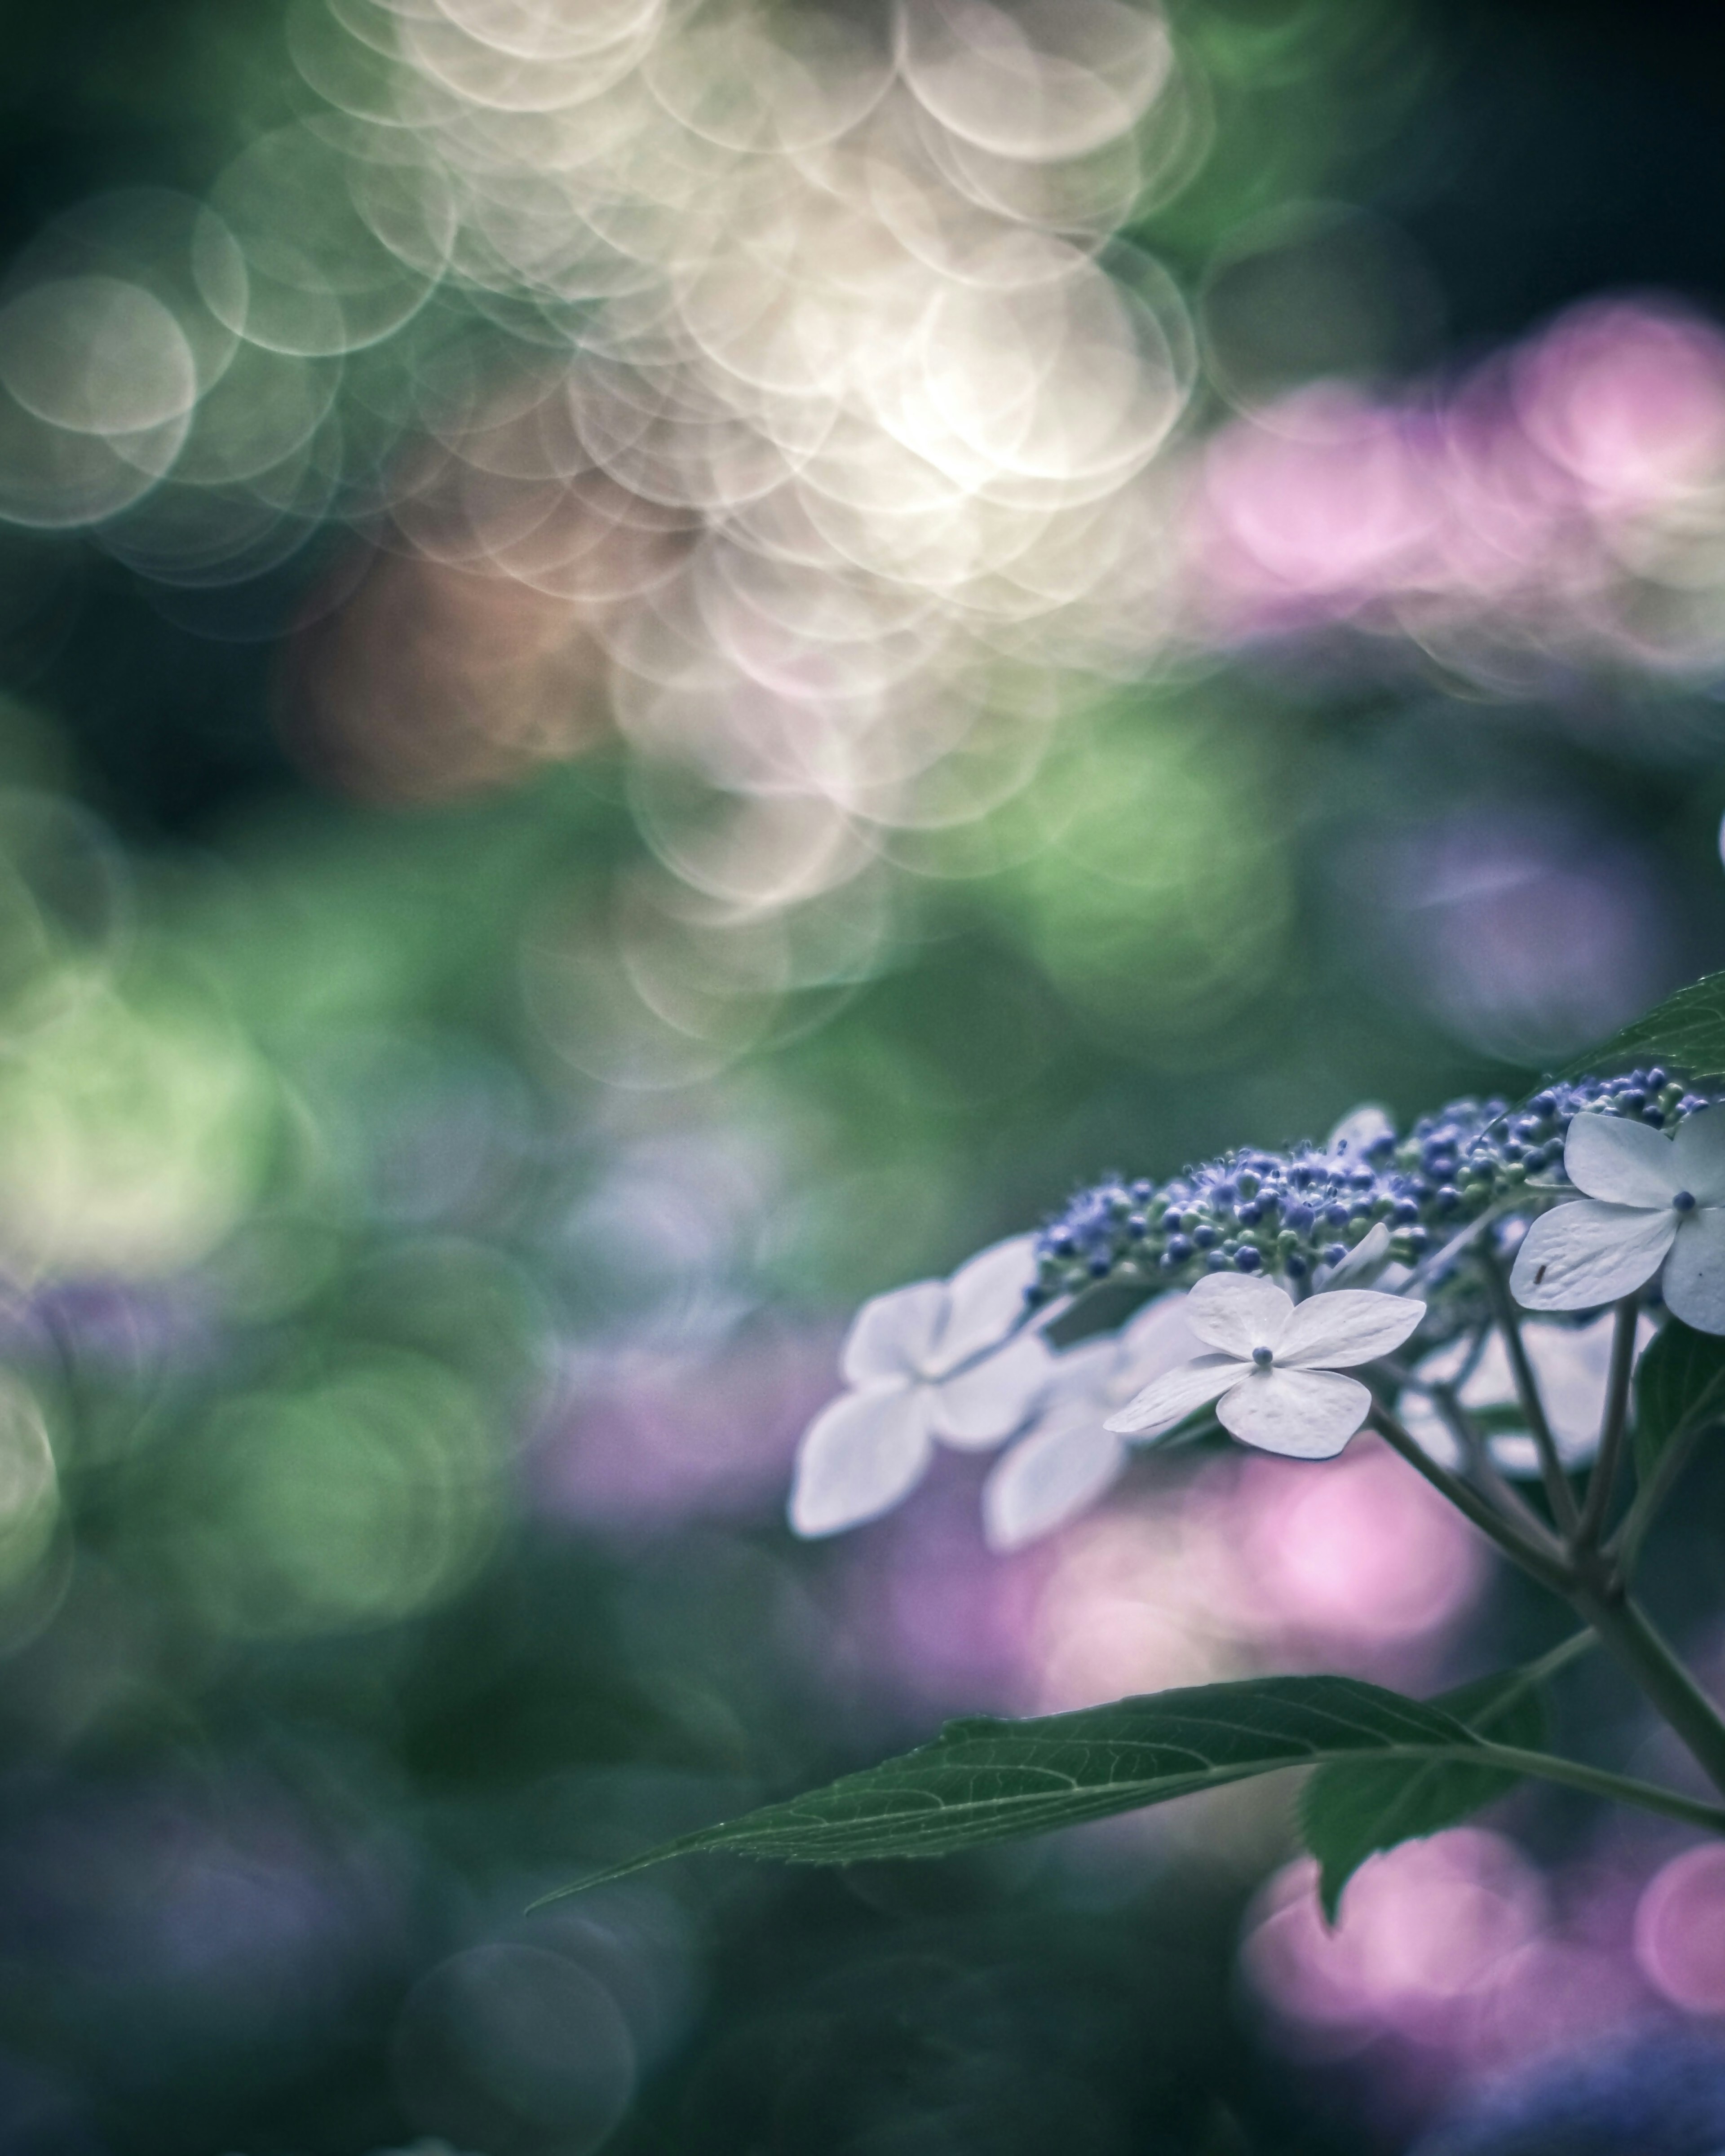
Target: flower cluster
1298	1212
1625	1183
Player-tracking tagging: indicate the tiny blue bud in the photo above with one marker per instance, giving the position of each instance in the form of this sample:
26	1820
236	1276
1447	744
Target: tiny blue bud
1179	1249
1247	1259
1263	1357
1683	1201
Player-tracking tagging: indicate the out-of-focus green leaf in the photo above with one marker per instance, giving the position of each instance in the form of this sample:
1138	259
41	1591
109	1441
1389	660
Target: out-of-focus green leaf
1687	1029
984	1780
1679	1380
1352	1808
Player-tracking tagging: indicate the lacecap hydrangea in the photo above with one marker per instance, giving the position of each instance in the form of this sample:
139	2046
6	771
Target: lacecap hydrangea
1297	1213
971	1363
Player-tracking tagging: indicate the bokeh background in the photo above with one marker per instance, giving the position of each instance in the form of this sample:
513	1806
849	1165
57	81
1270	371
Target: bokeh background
659	667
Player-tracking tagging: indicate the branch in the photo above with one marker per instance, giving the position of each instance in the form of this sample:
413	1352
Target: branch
1612	1428
1625	1547
1543	1558
1596	1782
1551	1466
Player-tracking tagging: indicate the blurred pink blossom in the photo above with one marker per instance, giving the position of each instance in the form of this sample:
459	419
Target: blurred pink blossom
1680	1930
1520	505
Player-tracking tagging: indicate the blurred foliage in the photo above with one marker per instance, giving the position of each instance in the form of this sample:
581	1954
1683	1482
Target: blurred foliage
358	1226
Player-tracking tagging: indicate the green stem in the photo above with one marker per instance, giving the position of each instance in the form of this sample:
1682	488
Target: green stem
1596	1782
1626	1630
1562	1498
1483	1468
1626	1545
1543	1558
1534	1674
1612	1428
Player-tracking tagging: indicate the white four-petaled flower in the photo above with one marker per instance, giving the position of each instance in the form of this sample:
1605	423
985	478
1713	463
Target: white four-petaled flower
924	1363
1649	1201
1273	1373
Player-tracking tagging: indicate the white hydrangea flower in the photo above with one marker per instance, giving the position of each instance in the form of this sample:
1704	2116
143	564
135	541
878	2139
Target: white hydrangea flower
919	1369
1071	1455
1273	1373
1650	1201
1571	1366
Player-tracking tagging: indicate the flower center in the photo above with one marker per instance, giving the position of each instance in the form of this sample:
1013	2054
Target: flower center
1264	1356
1683	1201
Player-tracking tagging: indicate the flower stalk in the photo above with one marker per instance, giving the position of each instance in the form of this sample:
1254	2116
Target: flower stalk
1614	1428
1559	1494
1267	1279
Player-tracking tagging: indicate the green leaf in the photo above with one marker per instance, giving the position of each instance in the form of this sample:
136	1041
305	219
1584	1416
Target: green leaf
984	1780
1687	1030
1351	1808
1679	1382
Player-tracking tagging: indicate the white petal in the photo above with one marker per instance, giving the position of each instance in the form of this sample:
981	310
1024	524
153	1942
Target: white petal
1237	1312
1699	1150
1159	1339
1354	1136
1364	1262
1047	1478
1695	1272
1081	1375
1172	1397
859	1457
1342	1327
1303	1414
995	1397
985	1299
1578	1256
1628	1163
894	1336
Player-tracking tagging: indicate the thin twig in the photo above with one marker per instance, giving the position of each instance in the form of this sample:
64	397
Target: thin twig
1564	1510
1429	1267
1612	1426
1625	1547
1543	1558
1483	1468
